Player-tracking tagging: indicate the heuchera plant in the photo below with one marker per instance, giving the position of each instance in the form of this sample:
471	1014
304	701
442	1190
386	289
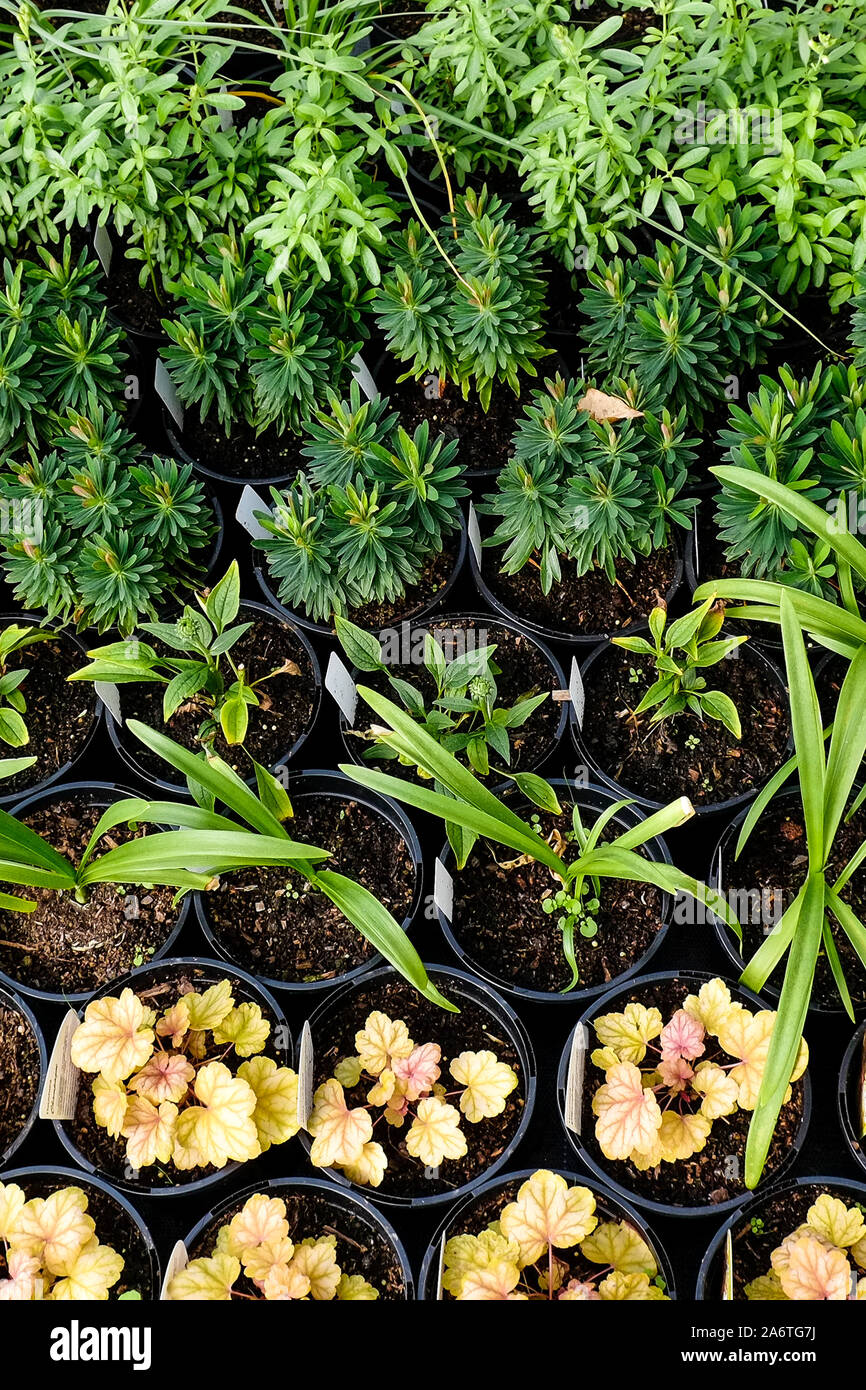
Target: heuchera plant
820	1260
708	1062
172	1085
254	1257
406	1091
549	1244
49	1249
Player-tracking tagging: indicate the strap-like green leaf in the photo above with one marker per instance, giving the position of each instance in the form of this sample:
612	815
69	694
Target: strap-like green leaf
808	732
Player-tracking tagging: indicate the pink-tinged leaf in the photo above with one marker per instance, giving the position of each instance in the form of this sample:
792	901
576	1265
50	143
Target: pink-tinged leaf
676	1073
166	1076
629	1117
682	1037
419	1071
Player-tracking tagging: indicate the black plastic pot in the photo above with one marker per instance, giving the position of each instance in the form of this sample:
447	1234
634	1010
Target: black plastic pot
455	984
848	1095
202	972
481	620
126	745
712	808
595	799
380	1229
760	634
725	847
41	1182
7	798
324	630
334	784
584	640
100	794
623	993
609	1208
12	1001
710	1275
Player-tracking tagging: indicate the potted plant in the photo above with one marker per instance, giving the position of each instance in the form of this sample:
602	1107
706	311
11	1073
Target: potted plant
183	1074
369	530
22	1071
851	1095
658	724
248	688
658	1086
251	360
483	690
98	534
294	1238
101	1251
586	511
382	1051
286	932
567	881
800	1242
540	1235
463	312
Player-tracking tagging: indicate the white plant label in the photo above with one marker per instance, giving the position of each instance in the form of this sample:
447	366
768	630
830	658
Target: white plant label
443	890
728	1274
440	1292
576	692
177	1261
305	1078
60	1092
109	694
103	247
362	374
245	515
474	534
164	387
574	1081
338	681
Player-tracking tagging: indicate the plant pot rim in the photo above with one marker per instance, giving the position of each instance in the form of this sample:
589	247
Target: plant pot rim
601	1193
580	640
221	969
337	785
478	617
755	630
330	1192
702	1212
431	609
575	996
711	808
74	1177
756	1201
482	994
13	799
118	792
853	1052
14	1001
723	935
124	746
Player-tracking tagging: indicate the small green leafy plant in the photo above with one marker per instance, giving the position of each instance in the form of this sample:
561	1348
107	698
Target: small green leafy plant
13	704
198	670
679	653
468	308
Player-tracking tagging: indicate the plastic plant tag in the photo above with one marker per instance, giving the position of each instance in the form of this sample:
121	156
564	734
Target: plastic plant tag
443	890
249	504
177	1261
305	1078
728	1272
474	534
164	387
60	1092
103	247
110	696
576	692
574	1080
338	681
361	373
441	1267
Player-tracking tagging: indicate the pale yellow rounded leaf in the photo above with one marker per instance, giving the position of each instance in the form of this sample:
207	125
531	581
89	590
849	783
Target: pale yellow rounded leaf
629	1118
815	1272
370	1168
435	1133
207	1011
115	1037
208	1280
840	1225
55	1228
719	1091
149	1132
317	1259
681	1136
767	1288
276	1091
488	1084
548	1213
109	1105
339	1133
712	1005
245	1027
380	1040
628	1033
12	1201
618	1244
95	1270
353	1288
261	1219
220	1128
630	1288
